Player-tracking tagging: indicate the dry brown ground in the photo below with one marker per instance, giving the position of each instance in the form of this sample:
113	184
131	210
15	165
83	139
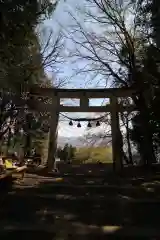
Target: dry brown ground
79	207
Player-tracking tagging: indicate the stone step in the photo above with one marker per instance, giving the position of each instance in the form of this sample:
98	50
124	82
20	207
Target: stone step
82	190
94	210
87	197
78	229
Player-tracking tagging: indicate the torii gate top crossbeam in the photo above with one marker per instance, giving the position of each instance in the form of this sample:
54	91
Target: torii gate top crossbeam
79	93
84	95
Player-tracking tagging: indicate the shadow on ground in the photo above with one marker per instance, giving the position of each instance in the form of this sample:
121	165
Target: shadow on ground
81	208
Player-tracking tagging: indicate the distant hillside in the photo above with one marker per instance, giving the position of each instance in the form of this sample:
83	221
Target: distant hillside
80	141
74	141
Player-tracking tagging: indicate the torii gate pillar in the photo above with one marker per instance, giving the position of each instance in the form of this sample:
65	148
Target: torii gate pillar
53	134
116	135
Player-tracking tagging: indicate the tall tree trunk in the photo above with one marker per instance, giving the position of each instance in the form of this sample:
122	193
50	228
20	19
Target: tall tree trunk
27	145
125	158
8	141
129	144
129	159
121	147
146	146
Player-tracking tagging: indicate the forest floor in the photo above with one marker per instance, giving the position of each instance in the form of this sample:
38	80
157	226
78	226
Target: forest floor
79	207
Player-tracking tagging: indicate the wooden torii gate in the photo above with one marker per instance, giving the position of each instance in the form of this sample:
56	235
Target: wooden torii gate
54	107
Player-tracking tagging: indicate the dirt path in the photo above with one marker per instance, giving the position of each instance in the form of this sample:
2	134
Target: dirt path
56	208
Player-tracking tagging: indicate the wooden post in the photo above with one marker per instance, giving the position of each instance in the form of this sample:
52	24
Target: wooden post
116	140
53	133
84	102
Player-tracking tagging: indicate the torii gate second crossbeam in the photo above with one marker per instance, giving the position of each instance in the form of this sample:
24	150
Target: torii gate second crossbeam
84	95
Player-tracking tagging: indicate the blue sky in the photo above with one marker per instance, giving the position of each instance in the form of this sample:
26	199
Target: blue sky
61	21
